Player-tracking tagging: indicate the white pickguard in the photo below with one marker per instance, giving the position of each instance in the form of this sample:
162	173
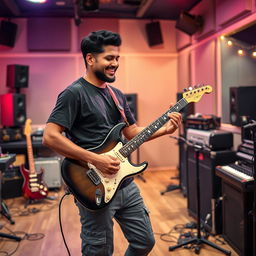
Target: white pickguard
111	182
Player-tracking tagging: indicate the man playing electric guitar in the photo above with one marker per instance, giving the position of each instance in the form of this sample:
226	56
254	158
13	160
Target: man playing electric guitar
87	111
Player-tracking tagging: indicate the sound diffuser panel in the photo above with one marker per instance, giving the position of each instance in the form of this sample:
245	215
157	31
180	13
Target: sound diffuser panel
48	34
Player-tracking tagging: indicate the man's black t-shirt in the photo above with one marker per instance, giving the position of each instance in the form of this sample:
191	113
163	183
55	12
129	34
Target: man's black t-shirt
88	113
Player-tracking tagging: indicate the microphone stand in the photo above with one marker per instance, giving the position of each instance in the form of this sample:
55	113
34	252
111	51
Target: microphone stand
198	239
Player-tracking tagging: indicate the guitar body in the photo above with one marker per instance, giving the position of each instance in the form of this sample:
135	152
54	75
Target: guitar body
33	187
88	185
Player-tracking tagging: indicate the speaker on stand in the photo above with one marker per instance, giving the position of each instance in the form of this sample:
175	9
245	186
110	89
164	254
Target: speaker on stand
242	104
132	101
13	104
13	109
17	76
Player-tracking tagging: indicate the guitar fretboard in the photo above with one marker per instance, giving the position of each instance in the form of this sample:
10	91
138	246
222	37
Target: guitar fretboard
147	132
32	169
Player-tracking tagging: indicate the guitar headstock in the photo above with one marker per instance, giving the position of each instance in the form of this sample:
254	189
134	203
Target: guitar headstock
194	94
27	128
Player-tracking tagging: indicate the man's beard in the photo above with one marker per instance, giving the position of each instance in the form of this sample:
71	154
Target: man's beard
100	75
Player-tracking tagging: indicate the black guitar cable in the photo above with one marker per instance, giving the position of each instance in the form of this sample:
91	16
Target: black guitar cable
61	229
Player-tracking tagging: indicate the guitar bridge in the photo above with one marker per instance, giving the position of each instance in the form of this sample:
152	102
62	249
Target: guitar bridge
94	177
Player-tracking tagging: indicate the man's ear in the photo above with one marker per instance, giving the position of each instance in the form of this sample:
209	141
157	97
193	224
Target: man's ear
90	59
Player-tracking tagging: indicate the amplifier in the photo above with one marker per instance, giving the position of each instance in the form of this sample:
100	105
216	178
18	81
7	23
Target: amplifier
11	134
213	139
52	173
12	181
203	122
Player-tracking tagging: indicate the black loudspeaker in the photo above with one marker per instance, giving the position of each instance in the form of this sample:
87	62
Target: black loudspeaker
131	99
12	183
242	104
188	23
17	76
183	165
154	33
210	185
13	109
8	31
237	218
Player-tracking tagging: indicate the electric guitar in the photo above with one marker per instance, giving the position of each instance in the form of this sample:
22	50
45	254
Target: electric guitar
95	190
33	186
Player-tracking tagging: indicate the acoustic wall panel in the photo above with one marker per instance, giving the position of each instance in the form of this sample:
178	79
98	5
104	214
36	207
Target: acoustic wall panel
229	10
48	34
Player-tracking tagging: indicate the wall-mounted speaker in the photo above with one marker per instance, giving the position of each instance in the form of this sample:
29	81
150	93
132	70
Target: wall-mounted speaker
242	104
17	76
131	99
13	109
154	33
189	23
8	31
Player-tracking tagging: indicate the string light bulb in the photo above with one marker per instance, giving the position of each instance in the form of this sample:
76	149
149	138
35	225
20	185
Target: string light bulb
230	43
240	52
254	53
222	37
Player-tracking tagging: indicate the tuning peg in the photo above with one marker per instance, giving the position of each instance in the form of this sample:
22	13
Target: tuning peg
185	89
190	88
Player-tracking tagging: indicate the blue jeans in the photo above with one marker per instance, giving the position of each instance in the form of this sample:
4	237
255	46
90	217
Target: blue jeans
130	212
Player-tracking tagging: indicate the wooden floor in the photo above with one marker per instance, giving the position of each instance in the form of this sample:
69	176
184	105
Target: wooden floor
43	232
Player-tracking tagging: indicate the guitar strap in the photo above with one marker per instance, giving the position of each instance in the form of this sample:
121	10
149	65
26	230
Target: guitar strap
119	107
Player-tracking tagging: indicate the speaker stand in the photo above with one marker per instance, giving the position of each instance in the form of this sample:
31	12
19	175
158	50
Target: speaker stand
198	240
140	176
173	187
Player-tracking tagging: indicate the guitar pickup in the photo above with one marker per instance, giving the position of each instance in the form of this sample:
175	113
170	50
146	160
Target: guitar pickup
94	177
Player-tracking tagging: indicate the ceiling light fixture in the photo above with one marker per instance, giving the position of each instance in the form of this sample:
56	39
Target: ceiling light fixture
37	1
90	5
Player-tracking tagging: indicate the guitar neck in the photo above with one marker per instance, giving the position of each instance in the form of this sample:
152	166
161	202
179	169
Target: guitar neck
32	169
147	132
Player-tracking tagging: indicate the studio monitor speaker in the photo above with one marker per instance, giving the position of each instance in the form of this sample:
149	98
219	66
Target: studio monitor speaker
242	104
8	32
13	109
154	33
131	99
17	76
188	23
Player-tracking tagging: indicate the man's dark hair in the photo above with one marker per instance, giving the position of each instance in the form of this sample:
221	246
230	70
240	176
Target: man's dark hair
94	42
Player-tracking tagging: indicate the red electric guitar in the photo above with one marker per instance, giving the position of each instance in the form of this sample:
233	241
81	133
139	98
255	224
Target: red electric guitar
33	185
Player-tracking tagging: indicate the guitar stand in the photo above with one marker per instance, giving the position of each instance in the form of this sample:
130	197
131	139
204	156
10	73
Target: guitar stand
198	240
173	187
